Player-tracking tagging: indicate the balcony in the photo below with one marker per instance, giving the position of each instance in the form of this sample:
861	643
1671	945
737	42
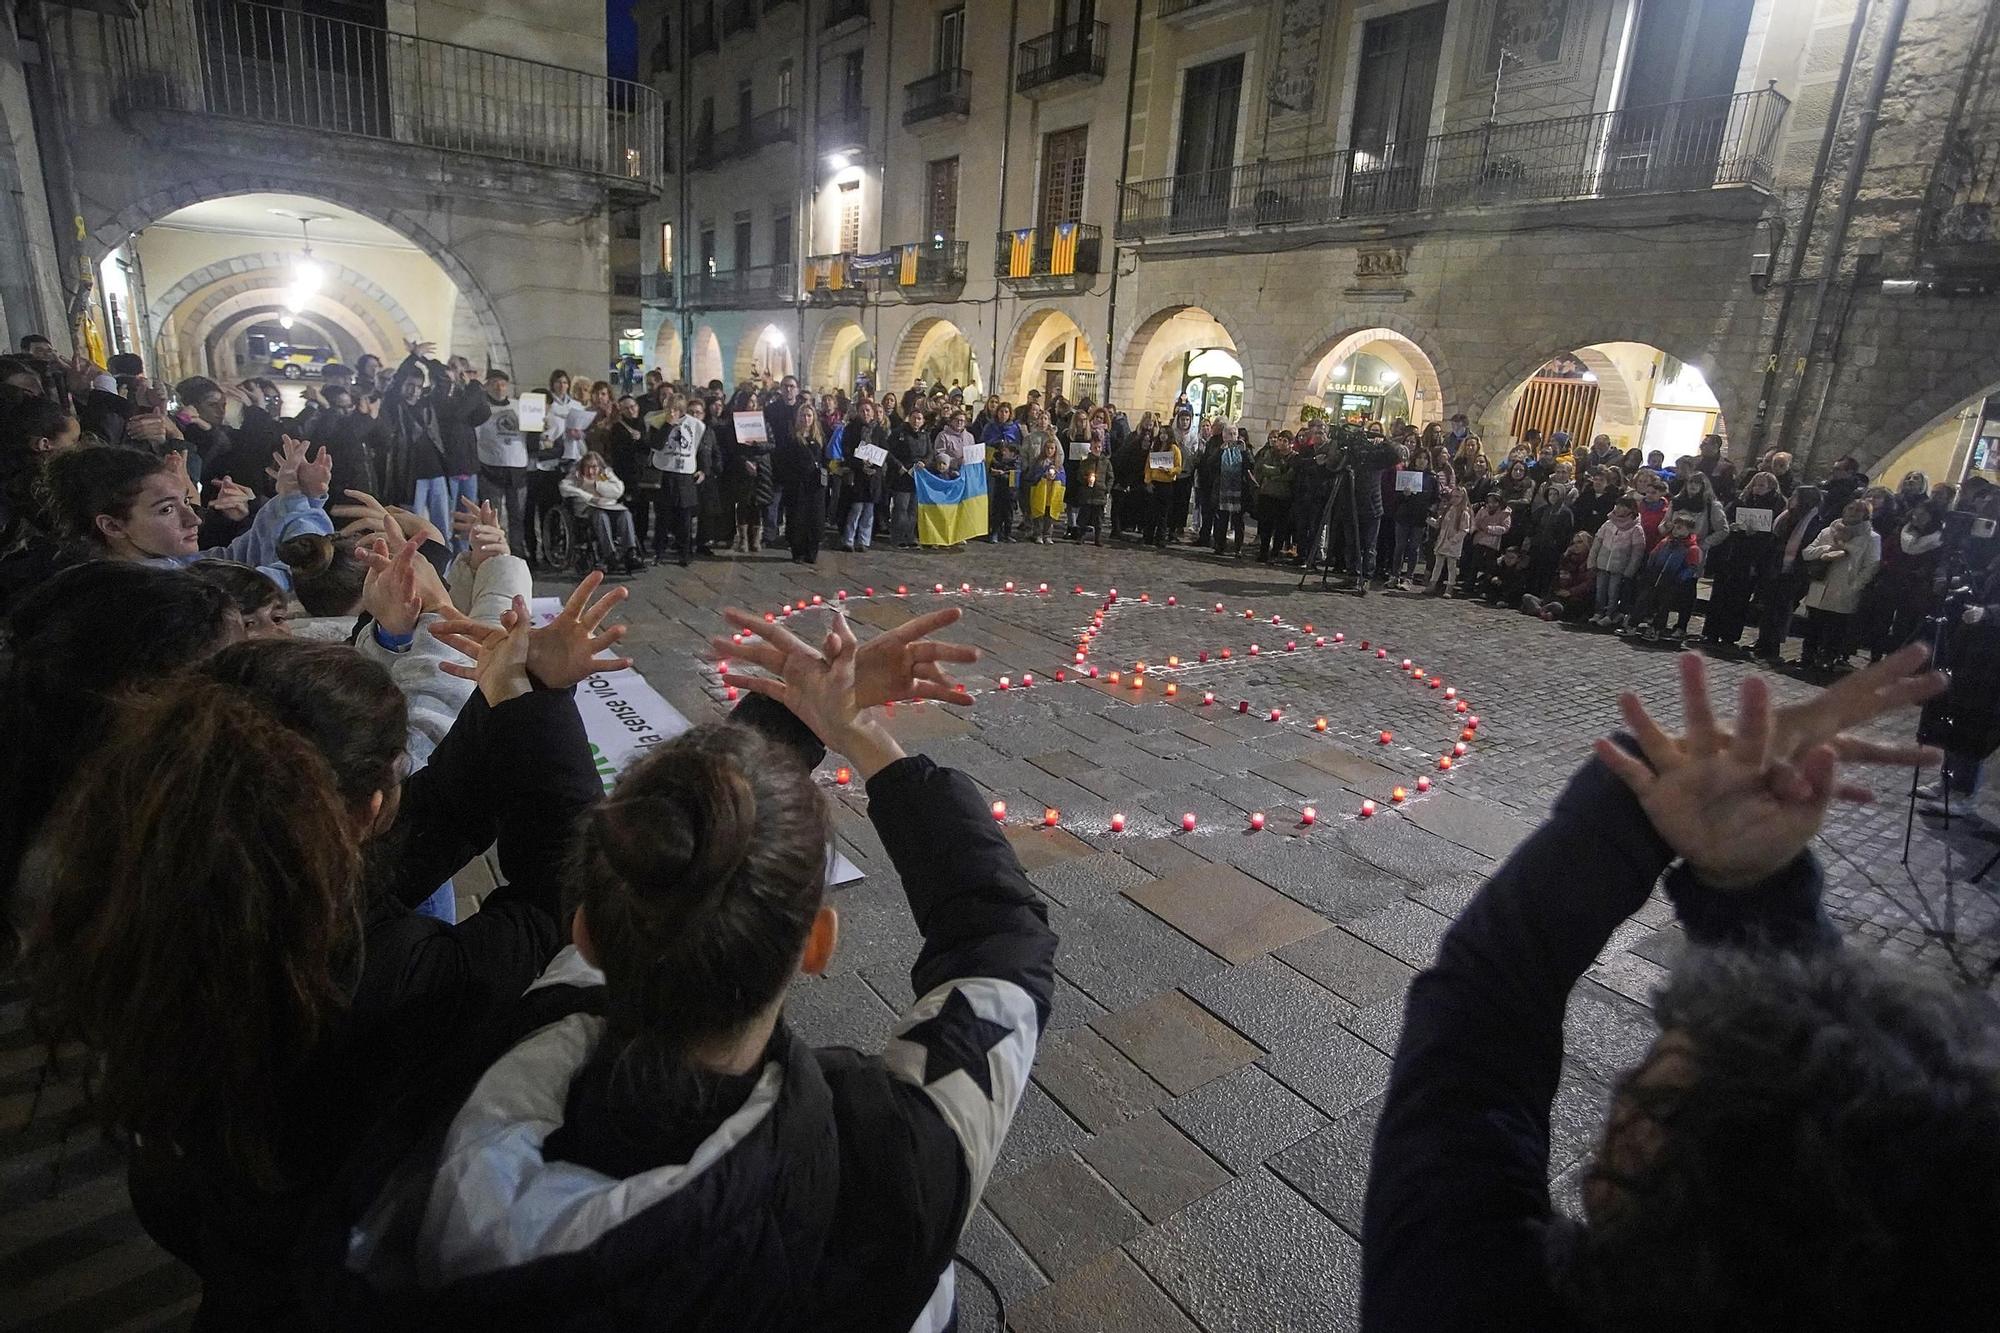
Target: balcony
738	16
778	125
828	282
844	129
1059	59
703	39
844	15
1676	147
280	70
945	94
930	270
656	286
1190	13
1049	261
762	285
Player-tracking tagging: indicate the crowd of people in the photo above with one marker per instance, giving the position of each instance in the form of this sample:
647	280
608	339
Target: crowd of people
248	753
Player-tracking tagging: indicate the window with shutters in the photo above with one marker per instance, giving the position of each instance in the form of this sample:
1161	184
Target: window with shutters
941	199
850	216
741	259
1063	160
781	238
708	247
950	39
785	84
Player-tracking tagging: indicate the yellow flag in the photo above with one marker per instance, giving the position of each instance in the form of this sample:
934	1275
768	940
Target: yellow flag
907	277
1021	258
1062	252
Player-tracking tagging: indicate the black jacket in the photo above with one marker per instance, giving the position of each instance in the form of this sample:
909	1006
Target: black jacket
461	410
834	1191
348	438
1457	1226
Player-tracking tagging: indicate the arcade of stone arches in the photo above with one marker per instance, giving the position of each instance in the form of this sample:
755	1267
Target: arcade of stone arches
1638	394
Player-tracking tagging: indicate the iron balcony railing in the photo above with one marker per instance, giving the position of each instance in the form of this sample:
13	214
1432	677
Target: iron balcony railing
931	263
844	11
1062	250
278	68
656	286
945	93
742	286
738	16
1676	146
1069	52
778	125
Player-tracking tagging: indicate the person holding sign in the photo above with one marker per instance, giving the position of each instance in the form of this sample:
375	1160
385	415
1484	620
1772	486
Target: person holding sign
803	476
863	443
1741	560
684	452
1163	470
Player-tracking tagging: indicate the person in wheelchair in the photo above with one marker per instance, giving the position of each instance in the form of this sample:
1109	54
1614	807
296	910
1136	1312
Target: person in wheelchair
592	490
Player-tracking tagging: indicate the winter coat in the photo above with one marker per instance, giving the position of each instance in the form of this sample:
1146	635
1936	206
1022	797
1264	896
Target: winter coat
1839	589
1088	480
1414	507
1616	550
1489	529
1575	581
1273	472
1453	529
827	1188
1711	522
605	491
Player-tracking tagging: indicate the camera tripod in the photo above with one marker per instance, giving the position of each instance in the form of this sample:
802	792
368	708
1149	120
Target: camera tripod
1319	544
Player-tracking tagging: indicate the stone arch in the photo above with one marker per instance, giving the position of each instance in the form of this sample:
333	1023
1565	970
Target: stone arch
136	216
193	322
277	261
1138	344
370	322
757	342
222	334
1346	336
1617	396
1963	385
920	338
1036	331
1526	360
835	341
707	363
667	351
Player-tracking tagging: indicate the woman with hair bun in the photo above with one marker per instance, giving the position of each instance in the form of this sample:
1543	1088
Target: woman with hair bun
654	1146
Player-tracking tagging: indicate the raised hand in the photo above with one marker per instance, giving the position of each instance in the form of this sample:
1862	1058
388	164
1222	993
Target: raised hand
177	466
363	514
472	514
891	667
1739	805
560	653
499	653
389	591
286	465
231	499
819	685
414	525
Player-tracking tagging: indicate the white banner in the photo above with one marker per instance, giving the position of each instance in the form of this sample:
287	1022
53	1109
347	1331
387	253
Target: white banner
624	716
676	452
750	428
872	454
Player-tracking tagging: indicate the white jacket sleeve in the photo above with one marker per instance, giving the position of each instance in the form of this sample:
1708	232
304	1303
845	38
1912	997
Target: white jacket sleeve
434	698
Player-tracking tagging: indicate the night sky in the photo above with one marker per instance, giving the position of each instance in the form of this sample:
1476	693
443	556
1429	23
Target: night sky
621	40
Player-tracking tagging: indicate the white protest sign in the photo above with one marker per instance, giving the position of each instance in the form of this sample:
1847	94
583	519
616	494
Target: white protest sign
972	453
1079	449
872	454
534	411
750	428
624	716
1750	519
1411	483
1161	462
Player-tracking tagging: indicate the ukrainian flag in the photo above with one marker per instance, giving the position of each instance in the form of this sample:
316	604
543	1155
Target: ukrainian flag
907	277
1062	252
949	512
1021	256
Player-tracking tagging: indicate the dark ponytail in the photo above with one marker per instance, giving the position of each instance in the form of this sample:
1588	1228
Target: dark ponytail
700	876
80	484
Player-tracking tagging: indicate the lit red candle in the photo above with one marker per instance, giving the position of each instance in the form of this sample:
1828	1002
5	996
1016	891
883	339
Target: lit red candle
1257	821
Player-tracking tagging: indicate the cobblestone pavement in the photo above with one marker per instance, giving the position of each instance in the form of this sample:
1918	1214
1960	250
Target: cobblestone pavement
1193	1149
1192	1152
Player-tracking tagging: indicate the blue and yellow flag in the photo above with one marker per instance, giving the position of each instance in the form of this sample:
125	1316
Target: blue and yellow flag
907	276
949	512
1021	257
1062	250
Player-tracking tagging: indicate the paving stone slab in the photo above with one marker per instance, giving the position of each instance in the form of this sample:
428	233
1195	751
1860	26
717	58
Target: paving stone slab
1093	1080
1607	1033
1038	847
1331	1166
1479	825
1309	867
1256	1255
1089	879
1335	1071
1349	966
1227	911
838	1011
1041	1130
1244	1117
1269	1002
1154	1166
1407	929
1380	1024
1119	954
1110	1294
987	1243
1162	855
1176	1041
1063	1213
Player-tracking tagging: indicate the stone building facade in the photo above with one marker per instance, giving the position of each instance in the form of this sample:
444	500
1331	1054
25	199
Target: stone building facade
1455	195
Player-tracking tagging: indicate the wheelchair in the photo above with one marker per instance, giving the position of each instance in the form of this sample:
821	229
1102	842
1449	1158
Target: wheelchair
569	542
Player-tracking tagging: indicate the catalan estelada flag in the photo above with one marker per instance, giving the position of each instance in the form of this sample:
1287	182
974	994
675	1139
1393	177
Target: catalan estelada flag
1021	257
949	512
836	277
1062	249
907	276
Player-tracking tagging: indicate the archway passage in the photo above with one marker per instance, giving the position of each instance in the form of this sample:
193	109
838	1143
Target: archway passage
1051	353
667	351
1640	396
1182	351
707	365
842	356
764	351
935	351
1375	374
1960	444
204	264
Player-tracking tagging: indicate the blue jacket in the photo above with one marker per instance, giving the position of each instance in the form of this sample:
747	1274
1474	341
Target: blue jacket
277	519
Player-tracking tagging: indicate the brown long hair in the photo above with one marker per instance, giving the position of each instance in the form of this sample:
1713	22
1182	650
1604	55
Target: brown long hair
204	879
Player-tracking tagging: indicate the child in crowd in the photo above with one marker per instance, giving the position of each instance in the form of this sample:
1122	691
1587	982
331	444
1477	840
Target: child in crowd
1453	526
1505	581
1089	490
1044	485
595	493
1490	525
1670	569
1575	585
1653	505
1617	553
